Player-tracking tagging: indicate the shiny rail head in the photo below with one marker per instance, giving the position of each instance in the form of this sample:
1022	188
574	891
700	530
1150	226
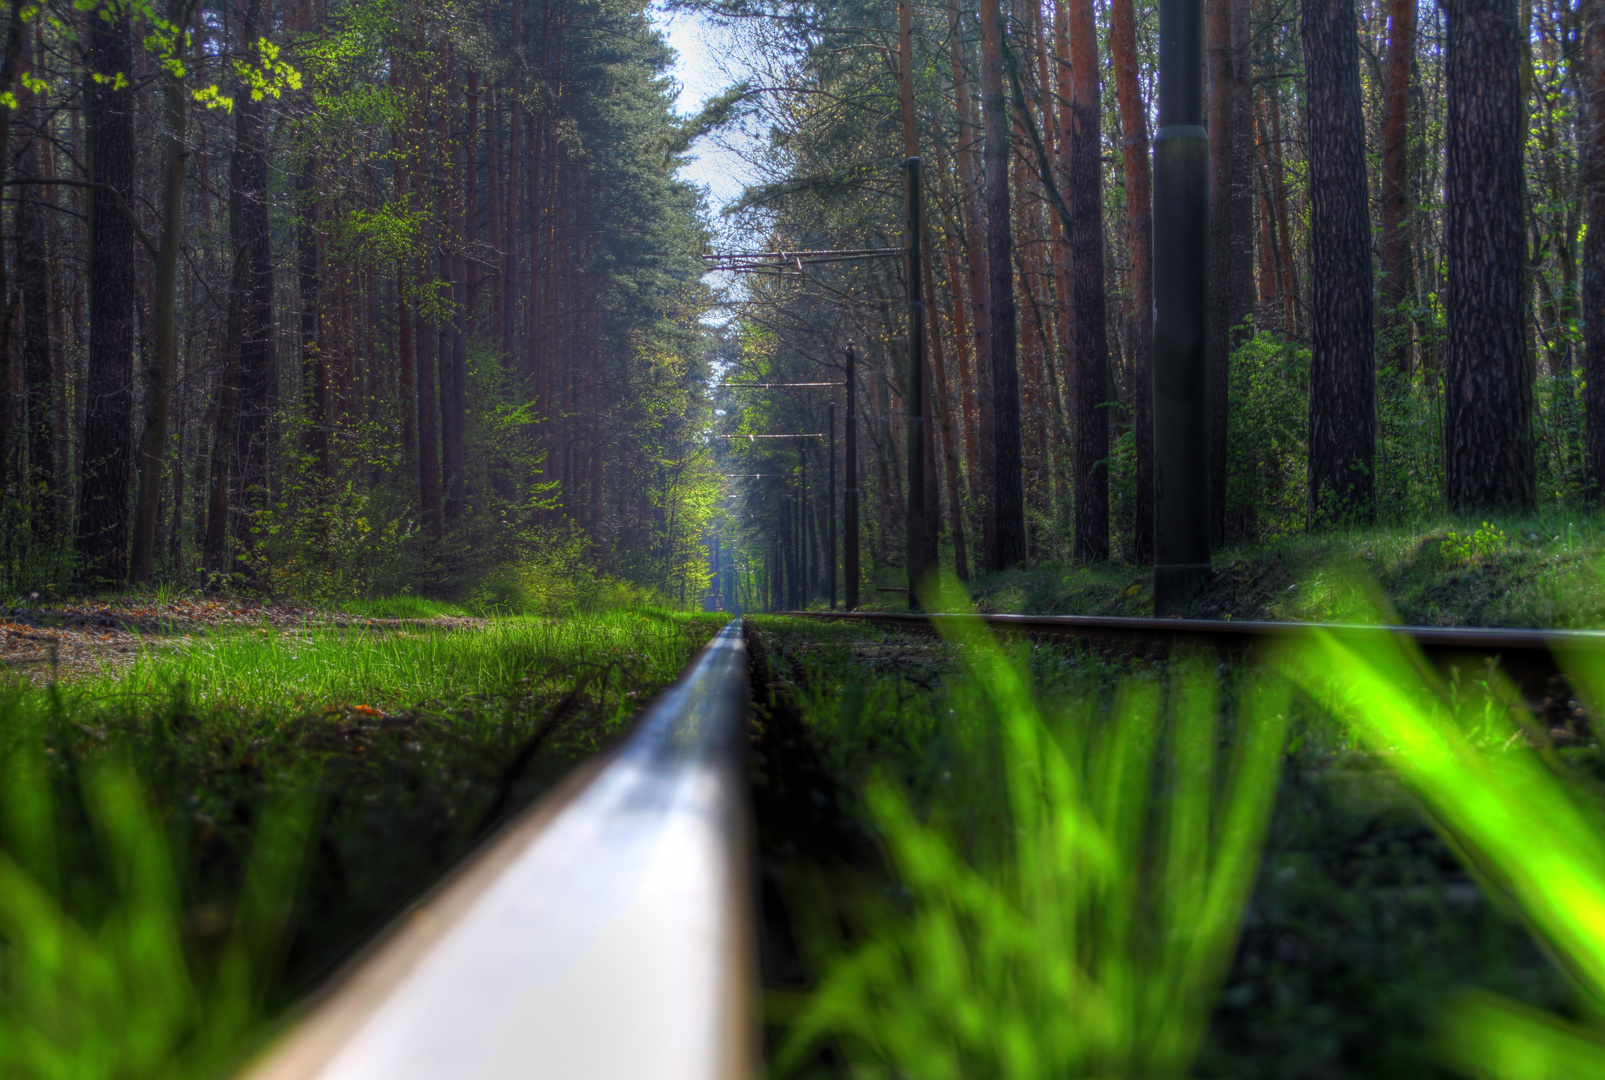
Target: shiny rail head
607	933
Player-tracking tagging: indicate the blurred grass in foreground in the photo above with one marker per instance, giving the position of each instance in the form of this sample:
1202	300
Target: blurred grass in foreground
1535	836
101	974
1080	926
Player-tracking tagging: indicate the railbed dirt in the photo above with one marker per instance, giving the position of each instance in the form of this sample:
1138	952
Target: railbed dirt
88	639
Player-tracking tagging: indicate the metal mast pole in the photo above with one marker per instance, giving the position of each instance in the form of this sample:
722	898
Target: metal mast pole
914	392
850	491
1181	382
830	509
802	529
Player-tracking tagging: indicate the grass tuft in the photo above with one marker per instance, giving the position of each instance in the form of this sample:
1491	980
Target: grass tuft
1076	922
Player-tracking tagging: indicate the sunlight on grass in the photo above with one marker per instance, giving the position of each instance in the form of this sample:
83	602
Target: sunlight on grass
396	668
403	607
1533	836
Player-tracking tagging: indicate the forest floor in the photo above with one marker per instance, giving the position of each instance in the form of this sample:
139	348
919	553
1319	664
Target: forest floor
1545	570
80	638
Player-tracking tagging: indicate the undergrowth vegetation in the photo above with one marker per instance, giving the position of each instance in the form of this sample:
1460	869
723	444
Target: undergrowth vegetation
1539	570
155	831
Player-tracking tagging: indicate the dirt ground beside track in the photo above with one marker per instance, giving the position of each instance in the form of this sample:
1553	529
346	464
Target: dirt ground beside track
83	640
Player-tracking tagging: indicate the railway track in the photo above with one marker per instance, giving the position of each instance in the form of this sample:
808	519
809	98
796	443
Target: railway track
1532	659
608	932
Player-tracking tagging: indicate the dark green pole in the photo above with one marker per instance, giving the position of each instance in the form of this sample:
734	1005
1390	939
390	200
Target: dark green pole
803	564
914	391
1181	383
830	509
850	491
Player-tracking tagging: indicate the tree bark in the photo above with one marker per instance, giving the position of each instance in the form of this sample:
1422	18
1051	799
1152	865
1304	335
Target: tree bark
1398	284
164	357
428	408
1593	301
1006	507
1140	240
1342	393
33	270
982	462
1488	443
1230	225
109	380
1086	244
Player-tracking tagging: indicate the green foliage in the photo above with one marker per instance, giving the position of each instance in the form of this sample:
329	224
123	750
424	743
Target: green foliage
1530	833
1268	400
1486	542
1080	924
554	572
101	974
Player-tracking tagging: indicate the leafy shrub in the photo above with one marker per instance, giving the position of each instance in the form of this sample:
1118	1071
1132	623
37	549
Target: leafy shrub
1487	541
551	572
1269	402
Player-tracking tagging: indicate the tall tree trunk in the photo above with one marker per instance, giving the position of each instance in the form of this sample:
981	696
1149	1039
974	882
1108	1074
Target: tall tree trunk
1342	395
406	361
10	64
225	424
33	270
1140	240
1488	440
428	407
982	461
451	327
108	421
1284	228
1398	284
1086	243
1230	225
258	375
164	357
1006	507
1593	186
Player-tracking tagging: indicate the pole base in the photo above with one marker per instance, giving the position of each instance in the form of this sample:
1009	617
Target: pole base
1176	585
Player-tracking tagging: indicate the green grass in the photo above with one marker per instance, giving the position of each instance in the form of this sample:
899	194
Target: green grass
265	670
1530	825
1076	918
396	751
1547	571
1361	927
403	607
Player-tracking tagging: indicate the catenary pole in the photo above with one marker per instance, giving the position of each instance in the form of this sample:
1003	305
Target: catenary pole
1181	384
850	490
830	509
914	391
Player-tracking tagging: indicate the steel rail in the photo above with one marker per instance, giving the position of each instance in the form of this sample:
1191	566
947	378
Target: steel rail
1531	658
606	932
